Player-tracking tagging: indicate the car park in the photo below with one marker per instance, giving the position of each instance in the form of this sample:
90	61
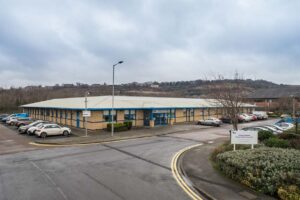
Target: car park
212	121
52	129
24	129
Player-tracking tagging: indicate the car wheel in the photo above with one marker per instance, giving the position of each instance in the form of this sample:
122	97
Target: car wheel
43	135
66	133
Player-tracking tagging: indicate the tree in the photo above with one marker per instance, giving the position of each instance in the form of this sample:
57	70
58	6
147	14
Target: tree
230	95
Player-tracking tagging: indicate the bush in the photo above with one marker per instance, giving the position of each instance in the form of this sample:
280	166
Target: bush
275	142
295	143
264	135
117	127
268	170
288	136
128	124
291	192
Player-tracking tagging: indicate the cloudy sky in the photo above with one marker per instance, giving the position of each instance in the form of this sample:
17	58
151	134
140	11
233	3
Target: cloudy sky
69	41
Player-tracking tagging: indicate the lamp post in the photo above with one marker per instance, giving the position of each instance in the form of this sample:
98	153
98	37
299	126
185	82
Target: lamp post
113	98
85	121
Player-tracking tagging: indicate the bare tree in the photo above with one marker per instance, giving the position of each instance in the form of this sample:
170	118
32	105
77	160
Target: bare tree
230	95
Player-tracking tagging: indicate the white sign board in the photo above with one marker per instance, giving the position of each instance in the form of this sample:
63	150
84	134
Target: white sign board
244	137
86	113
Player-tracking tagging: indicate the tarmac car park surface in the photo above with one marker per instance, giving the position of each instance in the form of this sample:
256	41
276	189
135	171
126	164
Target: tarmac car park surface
133	169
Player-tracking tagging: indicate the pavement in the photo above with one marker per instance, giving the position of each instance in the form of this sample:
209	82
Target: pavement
132	169
197	167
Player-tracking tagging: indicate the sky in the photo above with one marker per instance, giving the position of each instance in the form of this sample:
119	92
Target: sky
45	42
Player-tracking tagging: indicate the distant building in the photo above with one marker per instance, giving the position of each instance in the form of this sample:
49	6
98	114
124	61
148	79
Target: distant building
272	99
142	111
154	86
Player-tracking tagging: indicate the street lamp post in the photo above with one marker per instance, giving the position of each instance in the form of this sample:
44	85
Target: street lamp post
113	99
85	121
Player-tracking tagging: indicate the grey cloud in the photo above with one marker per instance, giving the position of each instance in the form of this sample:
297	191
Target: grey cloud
57	41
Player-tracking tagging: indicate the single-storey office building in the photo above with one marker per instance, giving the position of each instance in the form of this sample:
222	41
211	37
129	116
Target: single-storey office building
142	111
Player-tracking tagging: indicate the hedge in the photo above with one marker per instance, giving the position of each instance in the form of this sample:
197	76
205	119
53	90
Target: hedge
264	135
276	142
273	171
120	126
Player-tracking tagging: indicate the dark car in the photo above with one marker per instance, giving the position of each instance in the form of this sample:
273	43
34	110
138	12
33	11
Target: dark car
228	120
23	129
23	122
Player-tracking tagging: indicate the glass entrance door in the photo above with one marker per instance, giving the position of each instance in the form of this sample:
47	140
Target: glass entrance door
160	119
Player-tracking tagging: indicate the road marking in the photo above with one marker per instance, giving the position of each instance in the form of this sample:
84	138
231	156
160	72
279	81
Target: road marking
180	180
50	180
210	142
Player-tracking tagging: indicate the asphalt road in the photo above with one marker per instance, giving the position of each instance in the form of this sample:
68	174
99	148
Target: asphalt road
133	169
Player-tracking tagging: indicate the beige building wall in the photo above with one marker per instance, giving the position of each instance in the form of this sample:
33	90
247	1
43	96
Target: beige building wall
180	116
139	118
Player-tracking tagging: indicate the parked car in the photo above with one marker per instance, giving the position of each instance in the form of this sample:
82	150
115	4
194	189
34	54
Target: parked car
260	114
31	130
21	115
285	125
23	122
246	117
212	121
227	119
3	116
254	117
285	116
11	120
24	129
274	130
255	129
289	120
52	129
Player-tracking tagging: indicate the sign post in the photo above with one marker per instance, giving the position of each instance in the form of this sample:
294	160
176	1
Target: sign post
243	137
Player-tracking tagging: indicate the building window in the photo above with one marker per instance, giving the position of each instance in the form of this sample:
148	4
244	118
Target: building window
172	114
184	112
47	112
129	115
107	115
42	112
60	113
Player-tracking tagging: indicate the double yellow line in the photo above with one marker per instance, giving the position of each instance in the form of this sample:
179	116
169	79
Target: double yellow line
178	176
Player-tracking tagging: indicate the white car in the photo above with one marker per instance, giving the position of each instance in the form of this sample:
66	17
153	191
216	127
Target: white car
32	129
212	121
52	129
11	121
273	129
246	117
254	129
285	125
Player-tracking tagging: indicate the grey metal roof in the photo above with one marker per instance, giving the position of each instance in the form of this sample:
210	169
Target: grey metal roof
125	102
276	93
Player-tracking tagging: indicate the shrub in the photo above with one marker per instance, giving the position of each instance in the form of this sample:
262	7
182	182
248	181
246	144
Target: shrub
291	192
128	124
117	127
275	142
268	170
288	136
264	135
295	143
